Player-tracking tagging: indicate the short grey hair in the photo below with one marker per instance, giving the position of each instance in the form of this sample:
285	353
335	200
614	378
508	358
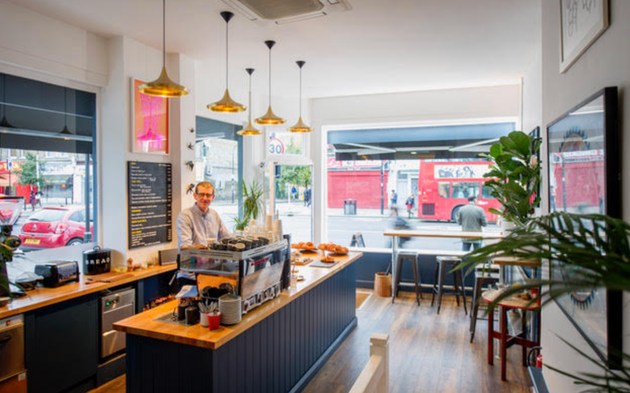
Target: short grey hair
203	184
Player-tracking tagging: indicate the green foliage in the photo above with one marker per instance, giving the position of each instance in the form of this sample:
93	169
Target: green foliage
299	175
28	172
595	252
515	174
252	203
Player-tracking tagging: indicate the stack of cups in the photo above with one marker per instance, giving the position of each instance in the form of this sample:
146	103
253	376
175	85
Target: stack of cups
269	222
277	229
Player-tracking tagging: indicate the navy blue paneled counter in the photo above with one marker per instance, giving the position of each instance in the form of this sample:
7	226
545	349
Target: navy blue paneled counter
277	347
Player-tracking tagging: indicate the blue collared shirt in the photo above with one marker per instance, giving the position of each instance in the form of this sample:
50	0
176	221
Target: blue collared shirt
194	227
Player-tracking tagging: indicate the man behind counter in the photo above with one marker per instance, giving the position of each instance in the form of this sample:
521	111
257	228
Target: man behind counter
197	224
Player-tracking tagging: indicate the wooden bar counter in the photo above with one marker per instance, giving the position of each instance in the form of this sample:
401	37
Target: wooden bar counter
42	297
277	347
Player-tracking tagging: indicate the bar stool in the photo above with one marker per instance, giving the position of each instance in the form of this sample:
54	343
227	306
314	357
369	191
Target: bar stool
417	282
484	275
444	263
506	340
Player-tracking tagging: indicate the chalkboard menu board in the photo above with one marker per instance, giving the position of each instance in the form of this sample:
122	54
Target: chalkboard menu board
149	203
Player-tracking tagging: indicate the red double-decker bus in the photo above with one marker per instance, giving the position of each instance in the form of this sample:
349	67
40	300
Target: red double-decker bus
444	187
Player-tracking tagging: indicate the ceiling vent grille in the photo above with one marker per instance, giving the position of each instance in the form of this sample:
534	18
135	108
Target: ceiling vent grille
285	11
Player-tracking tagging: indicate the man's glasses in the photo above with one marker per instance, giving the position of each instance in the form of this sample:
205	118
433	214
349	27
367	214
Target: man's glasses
202	195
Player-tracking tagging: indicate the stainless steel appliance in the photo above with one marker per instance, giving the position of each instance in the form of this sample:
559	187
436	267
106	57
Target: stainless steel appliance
57	273
12	371
256	274
115	306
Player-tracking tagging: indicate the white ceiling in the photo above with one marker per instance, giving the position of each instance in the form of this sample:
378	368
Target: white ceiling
379	46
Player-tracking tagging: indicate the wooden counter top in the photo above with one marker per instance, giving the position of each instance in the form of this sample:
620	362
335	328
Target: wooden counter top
443	233
145	323
43	297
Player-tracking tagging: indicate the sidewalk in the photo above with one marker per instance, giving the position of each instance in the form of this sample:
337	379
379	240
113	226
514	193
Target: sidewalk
297	208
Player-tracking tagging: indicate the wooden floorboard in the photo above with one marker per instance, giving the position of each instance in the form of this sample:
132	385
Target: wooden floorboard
428	352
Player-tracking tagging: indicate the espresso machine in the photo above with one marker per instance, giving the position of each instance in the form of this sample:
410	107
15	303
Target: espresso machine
255	274
10	211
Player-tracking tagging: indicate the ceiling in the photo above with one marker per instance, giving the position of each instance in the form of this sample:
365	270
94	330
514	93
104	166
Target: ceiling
379	46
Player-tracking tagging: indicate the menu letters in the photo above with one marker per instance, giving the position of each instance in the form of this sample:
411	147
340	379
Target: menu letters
149	203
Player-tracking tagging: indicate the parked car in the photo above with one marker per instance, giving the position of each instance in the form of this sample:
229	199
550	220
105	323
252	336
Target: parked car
54	227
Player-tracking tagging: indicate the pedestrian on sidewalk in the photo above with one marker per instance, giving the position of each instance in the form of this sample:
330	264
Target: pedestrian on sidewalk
393	200
409	203
32	199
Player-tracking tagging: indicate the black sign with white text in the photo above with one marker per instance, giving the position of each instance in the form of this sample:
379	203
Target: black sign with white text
149	203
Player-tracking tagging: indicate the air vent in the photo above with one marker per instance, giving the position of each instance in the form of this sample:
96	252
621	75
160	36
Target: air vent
286	11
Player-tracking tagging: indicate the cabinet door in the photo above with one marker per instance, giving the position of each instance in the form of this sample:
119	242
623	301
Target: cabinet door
62	345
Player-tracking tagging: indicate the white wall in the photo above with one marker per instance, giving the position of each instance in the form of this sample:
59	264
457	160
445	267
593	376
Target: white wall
36	42
131	59
606	63
37	47
451	106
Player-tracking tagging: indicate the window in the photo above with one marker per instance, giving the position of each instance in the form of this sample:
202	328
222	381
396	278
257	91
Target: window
47	158
371	173
485	192
444	190
465	190
219	158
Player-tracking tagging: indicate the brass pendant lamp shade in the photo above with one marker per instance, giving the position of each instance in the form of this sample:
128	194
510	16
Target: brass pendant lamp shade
250	129
270	118
226	104
163	86
300	126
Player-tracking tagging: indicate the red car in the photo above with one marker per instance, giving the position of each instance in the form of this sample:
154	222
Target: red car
54	227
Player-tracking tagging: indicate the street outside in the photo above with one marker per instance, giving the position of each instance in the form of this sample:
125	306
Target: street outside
296	220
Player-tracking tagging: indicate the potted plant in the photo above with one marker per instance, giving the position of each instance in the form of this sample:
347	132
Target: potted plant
515	176
252	196
595	250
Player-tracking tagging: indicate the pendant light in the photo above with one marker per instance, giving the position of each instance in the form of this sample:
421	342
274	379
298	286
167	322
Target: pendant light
226	104
163	86
66	131
250	129
269	118
4	123
300	126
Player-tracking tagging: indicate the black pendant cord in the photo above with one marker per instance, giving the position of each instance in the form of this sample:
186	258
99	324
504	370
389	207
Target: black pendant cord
226	56
300	92
163	33
250	71
270	77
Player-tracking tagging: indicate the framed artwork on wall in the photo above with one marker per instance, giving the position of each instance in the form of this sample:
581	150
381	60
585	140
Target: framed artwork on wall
584	178
581	23
150	121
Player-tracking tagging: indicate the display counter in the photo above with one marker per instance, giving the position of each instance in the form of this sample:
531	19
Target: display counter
276	347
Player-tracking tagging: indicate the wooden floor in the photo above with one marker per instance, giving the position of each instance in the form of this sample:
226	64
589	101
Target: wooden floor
428	352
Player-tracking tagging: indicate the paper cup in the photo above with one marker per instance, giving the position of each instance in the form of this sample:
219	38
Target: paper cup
203	319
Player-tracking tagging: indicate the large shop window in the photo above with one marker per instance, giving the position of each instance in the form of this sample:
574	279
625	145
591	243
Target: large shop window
47	145
406	178
219	160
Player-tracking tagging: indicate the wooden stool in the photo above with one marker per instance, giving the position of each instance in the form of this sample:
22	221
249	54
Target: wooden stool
506	340
450	262
484	275
417	282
